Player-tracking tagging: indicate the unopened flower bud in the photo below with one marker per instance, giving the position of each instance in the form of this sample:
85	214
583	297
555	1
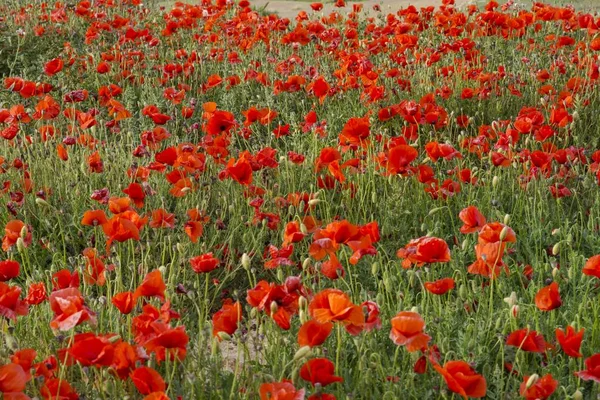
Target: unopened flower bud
532	380
302	352
224	336
556	249
245	261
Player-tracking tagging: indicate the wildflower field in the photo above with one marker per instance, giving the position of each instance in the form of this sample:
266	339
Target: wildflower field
208	201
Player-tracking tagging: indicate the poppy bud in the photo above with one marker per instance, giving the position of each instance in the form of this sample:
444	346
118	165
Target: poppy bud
274	307
556	249
224	336
514	311
380	298
302	352
495	181
291	210
423	227
179	248
532	380
571	272
41	202
245	261
503	233
253	312
23	232
20	245
11	342
163	269
214	349
433	211
555	231
306	263
414	309
114	339
302	302
577	395
499	323
314	202
303	229
555	272
302	316
462	292
280	275
374	268
295	375
543	101
464	244
506	219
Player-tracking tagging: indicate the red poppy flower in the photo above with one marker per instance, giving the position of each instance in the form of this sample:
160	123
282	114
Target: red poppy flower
147	380
592	371
527	340
335	305
548	298
592	266
407	330
227	318
36	294
313	333
319	371
53	66
12	378
570	341
284	390
9	269
541	389
153	285
461	378
124	301
204	263
473	220
69	309
424	250
169	342
162	219
440	286
58	388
